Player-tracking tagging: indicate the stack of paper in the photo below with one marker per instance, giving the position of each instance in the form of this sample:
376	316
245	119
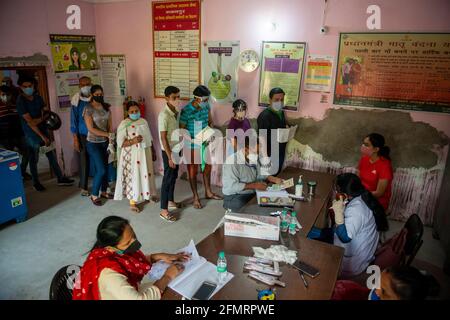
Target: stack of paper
197	270
274	198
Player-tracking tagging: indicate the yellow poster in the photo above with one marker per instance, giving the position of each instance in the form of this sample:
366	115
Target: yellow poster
319	69
73	53
282	66
406	71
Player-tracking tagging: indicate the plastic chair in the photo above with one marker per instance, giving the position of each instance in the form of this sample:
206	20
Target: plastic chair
62	283
413	238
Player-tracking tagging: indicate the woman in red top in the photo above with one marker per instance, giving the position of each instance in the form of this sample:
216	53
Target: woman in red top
116	266
375	168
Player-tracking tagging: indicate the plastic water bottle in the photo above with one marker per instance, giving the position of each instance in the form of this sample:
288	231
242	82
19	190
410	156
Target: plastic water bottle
284	221
293	223
222	267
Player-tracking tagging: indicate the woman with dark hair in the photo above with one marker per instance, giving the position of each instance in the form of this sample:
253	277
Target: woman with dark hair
375	168
135	175
75	58
116	266
98	122
239	119
359	219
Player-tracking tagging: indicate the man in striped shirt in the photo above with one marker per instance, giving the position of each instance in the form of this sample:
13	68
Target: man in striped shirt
194	117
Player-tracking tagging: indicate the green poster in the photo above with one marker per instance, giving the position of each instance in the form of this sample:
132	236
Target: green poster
282	66
73	53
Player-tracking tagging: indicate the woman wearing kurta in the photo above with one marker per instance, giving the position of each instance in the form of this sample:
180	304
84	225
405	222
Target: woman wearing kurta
135	176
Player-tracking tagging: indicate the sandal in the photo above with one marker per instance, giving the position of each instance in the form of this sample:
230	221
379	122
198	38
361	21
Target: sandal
107	196
97	202
135	209
177	205
168	218
85	193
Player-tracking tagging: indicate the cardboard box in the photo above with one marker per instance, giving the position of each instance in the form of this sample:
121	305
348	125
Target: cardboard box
252	226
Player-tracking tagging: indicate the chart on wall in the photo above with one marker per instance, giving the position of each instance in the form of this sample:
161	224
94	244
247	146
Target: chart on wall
319	69
220	61
73	53
282	66
406	71
176	46
67	84
114	78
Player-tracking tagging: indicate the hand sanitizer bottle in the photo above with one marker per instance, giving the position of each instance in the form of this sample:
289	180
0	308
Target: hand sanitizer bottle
299	188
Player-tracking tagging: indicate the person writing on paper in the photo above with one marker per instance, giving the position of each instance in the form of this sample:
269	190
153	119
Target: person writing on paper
195	116
135	176
359	218
273	118
241	176
116	266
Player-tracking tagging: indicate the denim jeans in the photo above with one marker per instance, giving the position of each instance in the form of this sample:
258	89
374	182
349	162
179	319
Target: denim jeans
33	149
99	156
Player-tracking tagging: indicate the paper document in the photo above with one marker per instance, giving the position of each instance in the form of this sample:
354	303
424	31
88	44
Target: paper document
205	135
282	186
286	134
274	198
197	270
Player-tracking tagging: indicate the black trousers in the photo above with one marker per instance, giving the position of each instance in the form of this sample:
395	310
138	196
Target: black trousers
168	182
235	202
84	163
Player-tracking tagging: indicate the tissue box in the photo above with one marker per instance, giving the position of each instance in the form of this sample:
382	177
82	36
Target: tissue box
252	226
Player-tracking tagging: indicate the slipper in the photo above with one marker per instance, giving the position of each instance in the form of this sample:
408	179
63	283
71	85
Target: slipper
97	202
107	196
215	197
169	218
135	209
85	193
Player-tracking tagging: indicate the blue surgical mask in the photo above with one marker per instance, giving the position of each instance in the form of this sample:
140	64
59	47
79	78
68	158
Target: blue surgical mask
28	91
135	116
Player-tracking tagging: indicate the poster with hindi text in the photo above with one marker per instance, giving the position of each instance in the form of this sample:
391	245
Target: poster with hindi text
220	69
114	78
282	66
67	84
319	69
176	46
404	71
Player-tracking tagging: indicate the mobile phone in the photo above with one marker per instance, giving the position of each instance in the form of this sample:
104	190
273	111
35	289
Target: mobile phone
306	269
205	291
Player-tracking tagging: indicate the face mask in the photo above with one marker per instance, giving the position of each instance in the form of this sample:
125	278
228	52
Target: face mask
277	105
373	295
204	104
240	115
28	91
135	116
366	151
252	159
98	99
175	104
4	98
86	91
132	248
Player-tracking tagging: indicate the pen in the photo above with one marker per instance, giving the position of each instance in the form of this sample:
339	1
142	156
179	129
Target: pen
304	280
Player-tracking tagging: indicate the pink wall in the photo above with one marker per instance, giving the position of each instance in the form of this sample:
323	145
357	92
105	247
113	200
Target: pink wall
126	28
25	26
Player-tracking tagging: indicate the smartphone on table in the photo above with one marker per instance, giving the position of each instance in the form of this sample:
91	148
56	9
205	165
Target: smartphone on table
306	268
205	291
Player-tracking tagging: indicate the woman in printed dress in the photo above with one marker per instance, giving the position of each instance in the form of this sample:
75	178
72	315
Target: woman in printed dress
135	176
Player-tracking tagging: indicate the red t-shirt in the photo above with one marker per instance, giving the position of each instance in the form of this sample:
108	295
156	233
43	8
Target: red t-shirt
371	173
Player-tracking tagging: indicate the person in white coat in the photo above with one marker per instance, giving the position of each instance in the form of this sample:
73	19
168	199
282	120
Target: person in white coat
135	154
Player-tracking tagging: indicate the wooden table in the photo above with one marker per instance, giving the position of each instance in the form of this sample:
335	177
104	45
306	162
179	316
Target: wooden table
325	257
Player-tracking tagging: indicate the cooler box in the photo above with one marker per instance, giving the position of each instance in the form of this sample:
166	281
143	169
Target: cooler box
12	194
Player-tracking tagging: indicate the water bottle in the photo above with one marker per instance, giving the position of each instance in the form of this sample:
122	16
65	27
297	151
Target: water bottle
293	223
222	267
284	221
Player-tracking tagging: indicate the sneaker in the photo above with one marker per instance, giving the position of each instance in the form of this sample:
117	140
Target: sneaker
39	187
64	181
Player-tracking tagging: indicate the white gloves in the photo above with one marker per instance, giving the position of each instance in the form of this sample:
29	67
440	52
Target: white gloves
338	208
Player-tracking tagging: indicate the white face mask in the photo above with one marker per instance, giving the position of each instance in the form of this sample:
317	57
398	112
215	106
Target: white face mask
253	158
240	115
277	105
175	103
85	91
4	98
